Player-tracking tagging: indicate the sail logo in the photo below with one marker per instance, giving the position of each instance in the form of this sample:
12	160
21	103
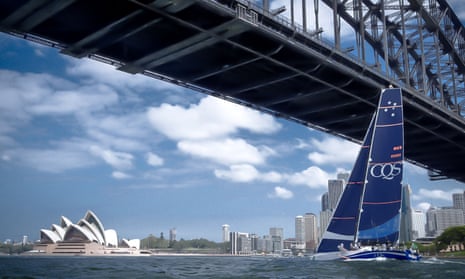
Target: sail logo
386	170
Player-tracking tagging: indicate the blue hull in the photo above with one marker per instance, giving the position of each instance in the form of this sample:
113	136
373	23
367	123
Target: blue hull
404	255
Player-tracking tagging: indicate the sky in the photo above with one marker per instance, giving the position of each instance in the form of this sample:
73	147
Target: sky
147	156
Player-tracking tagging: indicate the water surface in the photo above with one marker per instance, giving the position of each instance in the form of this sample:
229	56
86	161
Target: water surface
220	267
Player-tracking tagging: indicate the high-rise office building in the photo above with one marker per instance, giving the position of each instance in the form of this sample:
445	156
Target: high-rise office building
254	242
335	188
172	234
325	216
439	219
240	243
277	237
225	228
330	199
311	231
300	231
418	224
325	202
25	240
458	200
405	232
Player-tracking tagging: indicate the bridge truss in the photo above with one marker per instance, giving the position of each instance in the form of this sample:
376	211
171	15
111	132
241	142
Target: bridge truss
422	41
249	54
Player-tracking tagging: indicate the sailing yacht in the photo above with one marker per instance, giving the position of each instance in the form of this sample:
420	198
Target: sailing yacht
365	224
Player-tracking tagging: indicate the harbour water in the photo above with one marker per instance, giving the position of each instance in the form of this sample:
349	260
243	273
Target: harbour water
220	267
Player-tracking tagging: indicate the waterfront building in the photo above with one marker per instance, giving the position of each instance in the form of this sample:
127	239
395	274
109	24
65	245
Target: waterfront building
240	243
418	224
173	235
325	216
277	237
254	243
335	188
265	244
300	231
405	232
458	200
311	231
330	199
25	240
86	237
439	219
325	202
225	228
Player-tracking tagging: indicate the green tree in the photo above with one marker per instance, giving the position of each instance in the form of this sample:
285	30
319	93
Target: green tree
450	236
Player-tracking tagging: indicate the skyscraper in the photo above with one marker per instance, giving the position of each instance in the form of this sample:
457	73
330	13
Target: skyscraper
405	233
300	231
330	199
225	233
277	237
240	243
439	219
325	202
418	224
172	234
335	187
458	200
324	221
311	231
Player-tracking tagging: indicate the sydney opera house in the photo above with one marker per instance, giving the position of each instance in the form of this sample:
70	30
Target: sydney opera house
86	237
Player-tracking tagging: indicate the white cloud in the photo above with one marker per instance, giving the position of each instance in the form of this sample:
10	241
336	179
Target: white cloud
313	177
211	118
281	193
91	71
118	160
271	176
225	151
128	132
203	130
247	173
239	173
27	94
6	157
84	99
61	157
423	206
154	160
301	144
333	151
120	175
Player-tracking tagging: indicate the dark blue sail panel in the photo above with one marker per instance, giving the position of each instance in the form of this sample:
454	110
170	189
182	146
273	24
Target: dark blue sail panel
379	218
343	223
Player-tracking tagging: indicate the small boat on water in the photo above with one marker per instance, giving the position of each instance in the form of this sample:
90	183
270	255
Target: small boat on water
365	224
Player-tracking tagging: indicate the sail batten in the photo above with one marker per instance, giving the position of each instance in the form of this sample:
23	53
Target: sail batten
381	203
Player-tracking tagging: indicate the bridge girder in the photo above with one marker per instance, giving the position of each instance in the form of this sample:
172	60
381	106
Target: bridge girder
252	57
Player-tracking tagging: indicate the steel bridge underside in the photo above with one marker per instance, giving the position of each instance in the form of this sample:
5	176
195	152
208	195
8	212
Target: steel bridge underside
243	56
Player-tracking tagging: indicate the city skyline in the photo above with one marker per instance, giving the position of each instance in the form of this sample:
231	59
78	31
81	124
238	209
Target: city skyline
76	134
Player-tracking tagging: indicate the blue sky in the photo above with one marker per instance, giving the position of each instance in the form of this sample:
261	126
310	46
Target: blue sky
147	156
